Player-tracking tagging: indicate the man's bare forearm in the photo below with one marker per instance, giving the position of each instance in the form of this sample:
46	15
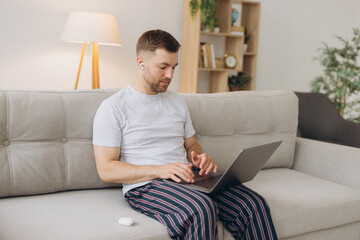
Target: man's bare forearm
192	145
110	169
196	156
121	172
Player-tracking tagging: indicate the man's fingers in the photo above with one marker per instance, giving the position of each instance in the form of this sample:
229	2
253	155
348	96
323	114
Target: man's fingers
184	172
211	167
186	178
215	168
175	178
196	159
203	160
205	163
188	168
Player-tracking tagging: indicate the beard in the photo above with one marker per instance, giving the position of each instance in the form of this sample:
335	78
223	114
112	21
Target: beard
159	86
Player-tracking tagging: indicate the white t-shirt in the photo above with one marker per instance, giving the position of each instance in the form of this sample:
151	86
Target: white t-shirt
149	129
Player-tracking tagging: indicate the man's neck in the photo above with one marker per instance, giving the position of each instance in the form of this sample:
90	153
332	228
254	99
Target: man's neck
139	85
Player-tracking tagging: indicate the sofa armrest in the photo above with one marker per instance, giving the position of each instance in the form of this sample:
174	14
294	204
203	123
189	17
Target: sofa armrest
333	162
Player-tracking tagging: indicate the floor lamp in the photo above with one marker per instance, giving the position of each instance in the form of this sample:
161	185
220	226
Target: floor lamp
93	28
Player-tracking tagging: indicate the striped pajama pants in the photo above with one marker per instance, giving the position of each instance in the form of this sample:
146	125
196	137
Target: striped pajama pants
189	214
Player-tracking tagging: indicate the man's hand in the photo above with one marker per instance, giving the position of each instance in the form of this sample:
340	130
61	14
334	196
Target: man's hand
203	162
177	171
110	169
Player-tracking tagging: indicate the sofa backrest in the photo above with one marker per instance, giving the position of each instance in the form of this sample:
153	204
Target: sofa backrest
227	122
46	136
46	141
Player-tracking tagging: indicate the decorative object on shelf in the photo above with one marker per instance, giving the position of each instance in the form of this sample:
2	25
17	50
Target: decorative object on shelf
238	82
234	16
341	77
236	27
217	25
246	40
229	60
94	28
219	62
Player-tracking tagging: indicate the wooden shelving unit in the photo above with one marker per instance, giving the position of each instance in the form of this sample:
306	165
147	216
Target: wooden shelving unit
246	62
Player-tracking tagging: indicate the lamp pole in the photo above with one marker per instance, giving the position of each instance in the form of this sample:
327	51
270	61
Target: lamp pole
81	60
95	66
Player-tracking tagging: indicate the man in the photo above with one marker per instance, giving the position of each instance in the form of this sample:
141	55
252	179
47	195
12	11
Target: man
143	134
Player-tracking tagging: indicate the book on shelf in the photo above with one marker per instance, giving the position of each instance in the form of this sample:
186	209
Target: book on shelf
201	56
204	55
213	56
207	55
237	30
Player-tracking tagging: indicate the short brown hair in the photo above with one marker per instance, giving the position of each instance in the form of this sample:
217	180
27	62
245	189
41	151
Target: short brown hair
154	39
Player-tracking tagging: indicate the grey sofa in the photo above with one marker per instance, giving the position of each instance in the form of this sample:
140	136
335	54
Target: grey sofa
50	189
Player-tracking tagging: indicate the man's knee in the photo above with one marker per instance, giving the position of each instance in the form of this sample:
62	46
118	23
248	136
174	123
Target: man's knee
205	208
205	217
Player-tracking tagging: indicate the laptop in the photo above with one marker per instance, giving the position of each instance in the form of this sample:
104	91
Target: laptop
243	169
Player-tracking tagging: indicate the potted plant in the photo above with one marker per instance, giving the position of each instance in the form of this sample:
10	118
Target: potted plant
194	7
217	25
340	80
208	11
238	82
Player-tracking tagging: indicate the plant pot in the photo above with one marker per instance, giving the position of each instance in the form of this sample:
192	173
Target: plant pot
233	88
245	47
217	29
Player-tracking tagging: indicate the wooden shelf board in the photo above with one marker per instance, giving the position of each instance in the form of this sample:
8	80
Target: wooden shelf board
246	2
249	54
217	69
221	34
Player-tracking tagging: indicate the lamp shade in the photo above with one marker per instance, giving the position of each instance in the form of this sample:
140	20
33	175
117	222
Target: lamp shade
92	27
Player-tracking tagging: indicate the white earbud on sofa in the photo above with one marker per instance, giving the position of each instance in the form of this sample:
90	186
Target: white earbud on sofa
126	221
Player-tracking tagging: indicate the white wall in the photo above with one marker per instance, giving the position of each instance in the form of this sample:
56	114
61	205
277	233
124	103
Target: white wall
291	31
32	56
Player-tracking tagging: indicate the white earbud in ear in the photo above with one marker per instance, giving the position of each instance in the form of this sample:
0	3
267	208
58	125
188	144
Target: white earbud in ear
142	66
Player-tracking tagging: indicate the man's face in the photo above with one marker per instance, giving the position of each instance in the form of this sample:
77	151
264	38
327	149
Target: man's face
159	69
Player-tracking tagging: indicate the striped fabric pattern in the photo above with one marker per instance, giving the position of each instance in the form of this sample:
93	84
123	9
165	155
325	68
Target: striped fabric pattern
189	214
245	214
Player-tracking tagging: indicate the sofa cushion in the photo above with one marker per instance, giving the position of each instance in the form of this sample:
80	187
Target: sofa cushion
81	214
228	122
302	204
46	141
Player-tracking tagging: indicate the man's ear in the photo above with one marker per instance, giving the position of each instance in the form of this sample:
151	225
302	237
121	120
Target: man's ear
140	62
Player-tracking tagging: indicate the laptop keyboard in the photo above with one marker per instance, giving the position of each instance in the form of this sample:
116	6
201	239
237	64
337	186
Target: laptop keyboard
208	182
